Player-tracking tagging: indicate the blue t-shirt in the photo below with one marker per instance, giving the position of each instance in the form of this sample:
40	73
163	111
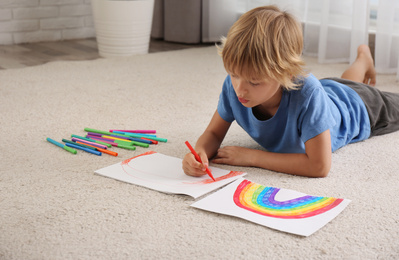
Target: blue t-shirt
313	108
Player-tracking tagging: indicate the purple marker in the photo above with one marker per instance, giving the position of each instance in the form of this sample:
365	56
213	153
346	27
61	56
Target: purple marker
95	134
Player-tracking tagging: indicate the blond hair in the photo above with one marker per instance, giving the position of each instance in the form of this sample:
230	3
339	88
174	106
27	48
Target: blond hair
264	43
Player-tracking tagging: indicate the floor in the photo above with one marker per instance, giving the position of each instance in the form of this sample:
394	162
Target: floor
32	54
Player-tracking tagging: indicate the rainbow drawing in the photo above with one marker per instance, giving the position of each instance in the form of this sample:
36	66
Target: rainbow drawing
261	200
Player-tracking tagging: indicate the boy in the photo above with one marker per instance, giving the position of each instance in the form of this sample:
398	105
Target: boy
298	119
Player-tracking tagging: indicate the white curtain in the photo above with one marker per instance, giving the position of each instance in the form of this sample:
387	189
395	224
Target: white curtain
332	28
387	37
217	17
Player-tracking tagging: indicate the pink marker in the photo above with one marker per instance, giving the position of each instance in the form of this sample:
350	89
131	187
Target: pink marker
90	143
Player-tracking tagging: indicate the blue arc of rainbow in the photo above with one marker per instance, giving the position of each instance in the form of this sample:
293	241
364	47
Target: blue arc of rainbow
261	200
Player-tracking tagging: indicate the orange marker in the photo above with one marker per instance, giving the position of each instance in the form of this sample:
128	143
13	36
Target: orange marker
198	159
153	141
101	150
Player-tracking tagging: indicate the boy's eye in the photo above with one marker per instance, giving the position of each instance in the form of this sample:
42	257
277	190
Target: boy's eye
254	83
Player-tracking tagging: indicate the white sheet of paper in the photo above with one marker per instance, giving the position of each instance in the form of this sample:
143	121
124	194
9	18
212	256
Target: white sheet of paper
305	221
164	173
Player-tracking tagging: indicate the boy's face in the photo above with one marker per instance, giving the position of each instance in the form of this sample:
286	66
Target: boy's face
255	92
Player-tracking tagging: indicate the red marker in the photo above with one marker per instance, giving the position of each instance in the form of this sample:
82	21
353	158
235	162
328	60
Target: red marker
198	159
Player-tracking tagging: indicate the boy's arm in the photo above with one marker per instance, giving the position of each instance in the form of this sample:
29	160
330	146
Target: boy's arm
207	145
316	162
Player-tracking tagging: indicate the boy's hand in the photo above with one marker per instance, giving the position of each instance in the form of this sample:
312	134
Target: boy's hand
233	155
194	168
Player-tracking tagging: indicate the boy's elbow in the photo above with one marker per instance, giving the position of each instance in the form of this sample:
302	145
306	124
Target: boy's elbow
322	174
320	170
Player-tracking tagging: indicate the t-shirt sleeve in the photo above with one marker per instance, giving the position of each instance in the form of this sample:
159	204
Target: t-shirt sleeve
224	105
316	115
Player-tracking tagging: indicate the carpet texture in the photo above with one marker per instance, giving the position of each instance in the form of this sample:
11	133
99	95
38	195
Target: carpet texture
53	206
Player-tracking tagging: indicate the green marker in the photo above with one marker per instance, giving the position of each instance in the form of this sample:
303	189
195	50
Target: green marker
122	142
69	149
140	144
99	131
129	147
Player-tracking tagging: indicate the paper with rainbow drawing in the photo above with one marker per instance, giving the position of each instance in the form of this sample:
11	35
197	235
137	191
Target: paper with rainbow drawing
164	173
282	209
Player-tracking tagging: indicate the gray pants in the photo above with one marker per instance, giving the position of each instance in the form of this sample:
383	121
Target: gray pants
382	107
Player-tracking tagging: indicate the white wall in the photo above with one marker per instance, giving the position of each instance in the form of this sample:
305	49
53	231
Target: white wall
23	21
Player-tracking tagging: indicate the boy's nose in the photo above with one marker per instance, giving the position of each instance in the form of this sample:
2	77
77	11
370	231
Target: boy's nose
241	89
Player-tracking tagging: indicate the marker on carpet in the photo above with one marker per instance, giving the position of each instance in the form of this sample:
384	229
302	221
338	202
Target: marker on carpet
132	139
130	147
136	131
91	140
125	141
152	141
105	140
100	150
133	134
126	146
87	142
97	131
91	130
83	148
142	135
69	149
198	159
81	144
128	140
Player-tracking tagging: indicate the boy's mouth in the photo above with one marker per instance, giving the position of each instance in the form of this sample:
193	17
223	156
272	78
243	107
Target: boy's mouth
243	100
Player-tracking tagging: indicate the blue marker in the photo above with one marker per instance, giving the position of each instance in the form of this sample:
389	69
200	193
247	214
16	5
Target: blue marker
84	149
140	140
69	149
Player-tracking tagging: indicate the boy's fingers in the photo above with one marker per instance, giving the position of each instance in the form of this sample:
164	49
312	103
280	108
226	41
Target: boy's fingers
205	162
193	163
196	172
194	168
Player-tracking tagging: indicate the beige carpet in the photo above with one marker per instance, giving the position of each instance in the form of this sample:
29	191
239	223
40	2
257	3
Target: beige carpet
53	206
